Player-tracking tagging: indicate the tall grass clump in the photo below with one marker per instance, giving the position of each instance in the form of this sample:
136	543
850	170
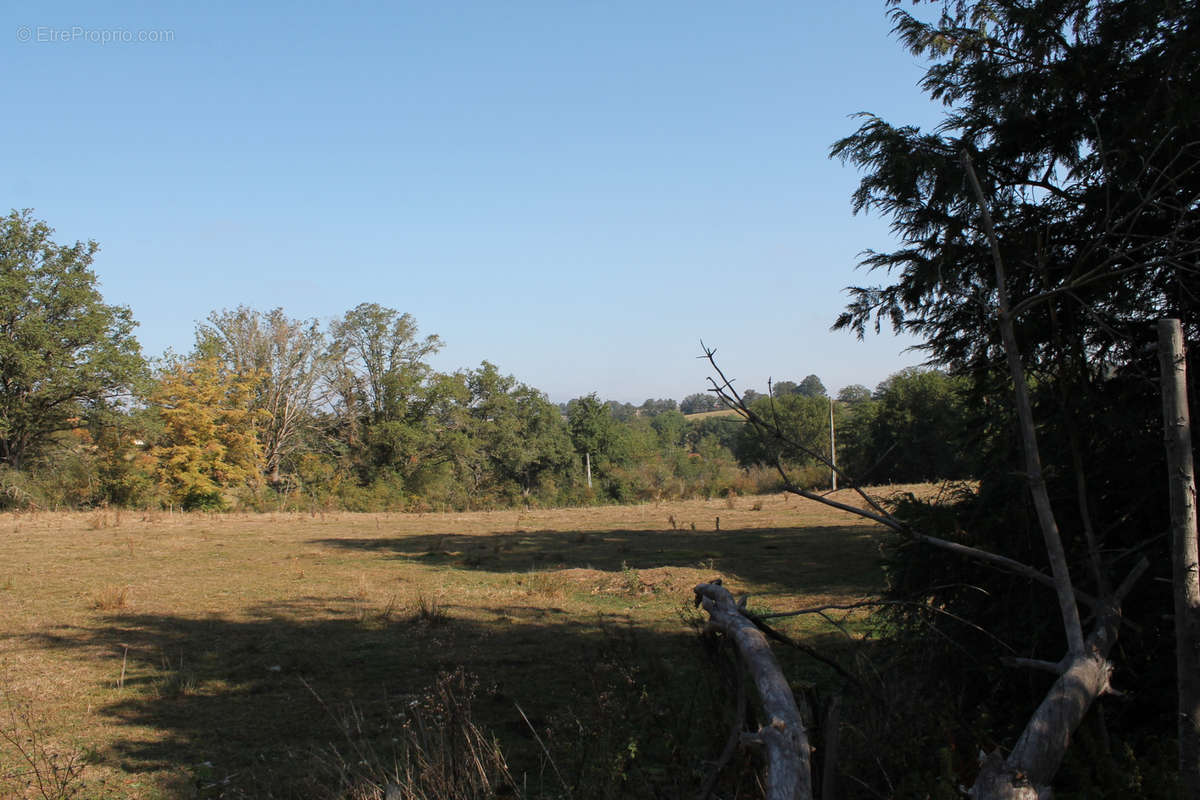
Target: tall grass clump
431	750
31	764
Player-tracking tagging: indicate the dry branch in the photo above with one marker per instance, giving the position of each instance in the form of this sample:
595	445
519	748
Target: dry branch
724	390
782	737
1055	551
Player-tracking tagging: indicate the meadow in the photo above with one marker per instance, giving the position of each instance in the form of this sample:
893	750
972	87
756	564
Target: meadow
156	655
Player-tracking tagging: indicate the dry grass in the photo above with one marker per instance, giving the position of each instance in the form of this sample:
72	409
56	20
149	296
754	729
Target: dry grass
203	676
112	598
723	412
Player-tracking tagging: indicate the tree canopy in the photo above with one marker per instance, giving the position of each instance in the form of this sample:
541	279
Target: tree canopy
63	351
209	443
287	359
1080	120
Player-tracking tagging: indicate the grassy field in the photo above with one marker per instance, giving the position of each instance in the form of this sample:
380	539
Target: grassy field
241	655
722	412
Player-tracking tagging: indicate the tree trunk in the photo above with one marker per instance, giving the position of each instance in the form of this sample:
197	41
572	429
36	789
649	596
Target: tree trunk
1055	552
1084	671
782	737
1031	766
1177	430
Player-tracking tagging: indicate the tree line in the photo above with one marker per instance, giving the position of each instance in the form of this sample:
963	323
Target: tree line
269	411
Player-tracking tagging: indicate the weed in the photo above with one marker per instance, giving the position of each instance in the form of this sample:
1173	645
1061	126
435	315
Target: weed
53	774
364	607
112	598
542	583
386	614
362	599
432	749
430	611
176	682
105	518
631	581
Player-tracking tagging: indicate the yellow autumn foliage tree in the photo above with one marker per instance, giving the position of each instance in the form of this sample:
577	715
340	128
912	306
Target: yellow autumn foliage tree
209	444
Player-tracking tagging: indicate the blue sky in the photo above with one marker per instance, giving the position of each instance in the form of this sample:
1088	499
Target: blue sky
576	191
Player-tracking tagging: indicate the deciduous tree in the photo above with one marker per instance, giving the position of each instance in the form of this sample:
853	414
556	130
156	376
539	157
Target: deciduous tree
63	350
383	389
376	350
698	403
811	386
805	419
209	443
518	438
287	358
590	423
853	394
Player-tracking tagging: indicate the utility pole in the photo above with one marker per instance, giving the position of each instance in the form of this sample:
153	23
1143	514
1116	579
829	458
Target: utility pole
832	450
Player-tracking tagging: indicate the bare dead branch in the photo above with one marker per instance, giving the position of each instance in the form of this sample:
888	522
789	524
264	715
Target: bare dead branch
760	623
783	737
877	603
728	395
1055	551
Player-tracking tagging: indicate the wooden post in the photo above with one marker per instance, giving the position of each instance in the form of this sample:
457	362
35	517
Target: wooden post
830	724
1181	478
588	458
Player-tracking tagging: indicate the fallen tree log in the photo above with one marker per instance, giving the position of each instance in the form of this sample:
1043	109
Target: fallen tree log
782	736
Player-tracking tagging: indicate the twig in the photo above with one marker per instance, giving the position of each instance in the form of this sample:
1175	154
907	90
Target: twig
761	624
124	661
868	603
731	398
542	744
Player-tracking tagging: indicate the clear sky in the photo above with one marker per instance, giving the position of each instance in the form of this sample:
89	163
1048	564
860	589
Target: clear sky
576	191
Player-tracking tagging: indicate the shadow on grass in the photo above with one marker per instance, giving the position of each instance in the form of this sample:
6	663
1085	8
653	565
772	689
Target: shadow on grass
238	708
806	560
